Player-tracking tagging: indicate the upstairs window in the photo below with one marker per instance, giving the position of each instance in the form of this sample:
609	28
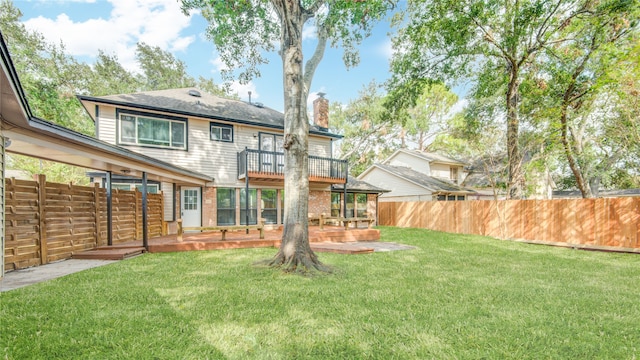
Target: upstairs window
453	174
147	130
221	132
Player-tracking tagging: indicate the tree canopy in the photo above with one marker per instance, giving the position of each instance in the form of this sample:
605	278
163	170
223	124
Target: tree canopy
497	46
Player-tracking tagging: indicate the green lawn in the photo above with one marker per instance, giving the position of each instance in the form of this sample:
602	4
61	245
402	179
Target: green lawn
455	297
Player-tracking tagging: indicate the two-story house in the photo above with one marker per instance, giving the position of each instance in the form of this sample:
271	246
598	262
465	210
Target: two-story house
414	175
238	144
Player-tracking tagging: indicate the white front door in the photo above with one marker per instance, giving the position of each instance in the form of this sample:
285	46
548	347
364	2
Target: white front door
190	206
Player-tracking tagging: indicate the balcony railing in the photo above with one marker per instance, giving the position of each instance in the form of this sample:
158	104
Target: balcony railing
259	164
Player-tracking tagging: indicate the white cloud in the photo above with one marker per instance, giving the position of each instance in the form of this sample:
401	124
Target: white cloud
458	107
309	32
218	65
386	49
242	90
155	22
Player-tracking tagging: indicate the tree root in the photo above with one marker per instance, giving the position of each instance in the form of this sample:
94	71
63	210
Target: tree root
298	263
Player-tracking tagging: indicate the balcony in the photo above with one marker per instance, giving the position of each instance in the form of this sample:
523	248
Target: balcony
269	165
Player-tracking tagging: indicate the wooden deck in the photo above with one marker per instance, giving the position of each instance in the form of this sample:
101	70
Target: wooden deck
330	239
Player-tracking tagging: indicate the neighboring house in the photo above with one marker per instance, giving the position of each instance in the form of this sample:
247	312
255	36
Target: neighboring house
238	144
414	175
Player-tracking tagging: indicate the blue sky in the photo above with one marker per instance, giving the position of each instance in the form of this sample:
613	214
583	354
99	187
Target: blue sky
115	26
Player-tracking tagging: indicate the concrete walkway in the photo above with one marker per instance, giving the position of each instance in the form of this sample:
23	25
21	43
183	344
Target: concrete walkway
19	278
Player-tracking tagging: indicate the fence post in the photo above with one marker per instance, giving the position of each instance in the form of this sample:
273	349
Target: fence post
136	223
41	179
96	195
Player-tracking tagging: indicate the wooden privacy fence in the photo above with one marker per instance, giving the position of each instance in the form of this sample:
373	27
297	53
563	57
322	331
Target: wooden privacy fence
586	222
46	221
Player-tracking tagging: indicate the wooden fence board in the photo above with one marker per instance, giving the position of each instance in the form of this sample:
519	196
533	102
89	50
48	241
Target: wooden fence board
75	218
592	222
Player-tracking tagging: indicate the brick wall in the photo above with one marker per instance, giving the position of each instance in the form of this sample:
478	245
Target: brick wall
371	205
319	202
209	217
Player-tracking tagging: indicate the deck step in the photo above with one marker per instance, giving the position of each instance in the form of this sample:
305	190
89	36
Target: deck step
110	253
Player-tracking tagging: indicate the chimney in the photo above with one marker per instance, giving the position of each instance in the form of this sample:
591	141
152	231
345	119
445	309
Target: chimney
321	112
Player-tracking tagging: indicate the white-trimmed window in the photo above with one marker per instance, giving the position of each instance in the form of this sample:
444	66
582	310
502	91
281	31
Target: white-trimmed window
221	132
147	130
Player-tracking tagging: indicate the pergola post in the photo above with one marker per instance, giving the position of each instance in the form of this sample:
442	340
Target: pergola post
109	209
145	236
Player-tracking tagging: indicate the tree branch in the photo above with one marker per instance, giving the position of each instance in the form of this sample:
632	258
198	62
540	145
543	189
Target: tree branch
312	64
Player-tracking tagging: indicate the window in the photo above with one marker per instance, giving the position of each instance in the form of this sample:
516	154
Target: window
151	188
221	132
361	205
282	206
453	174
335	204
226	206
121	187
350	206
269	205
146	130
190	199
272	153
253	207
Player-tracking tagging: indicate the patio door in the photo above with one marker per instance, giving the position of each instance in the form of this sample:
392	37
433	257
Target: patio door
271	145
191	206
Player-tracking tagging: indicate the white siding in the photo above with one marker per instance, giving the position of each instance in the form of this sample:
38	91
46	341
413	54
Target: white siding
441	171
214	158
410	161
319	146
400	188
107	124
169	200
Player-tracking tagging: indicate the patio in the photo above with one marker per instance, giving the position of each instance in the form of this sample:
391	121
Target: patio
331	239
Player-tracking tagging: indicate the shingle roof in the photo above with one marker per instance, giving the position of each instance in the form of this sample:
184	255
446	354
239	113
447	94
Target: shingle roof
430	183
180	101
359	186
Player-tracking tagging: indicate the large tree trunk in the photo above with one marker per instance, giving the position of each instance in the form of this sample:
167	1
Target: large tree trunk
295	254
516	177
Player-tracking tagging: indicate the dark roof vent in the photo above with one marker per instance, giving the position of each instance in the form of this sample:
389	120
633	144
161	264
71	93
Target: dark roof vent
195	93
258	104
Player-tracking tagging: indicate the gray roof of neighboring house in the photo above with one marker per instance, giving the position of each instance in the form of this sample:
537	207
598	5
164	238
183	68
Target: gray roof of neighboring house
431	183
182	102
358	186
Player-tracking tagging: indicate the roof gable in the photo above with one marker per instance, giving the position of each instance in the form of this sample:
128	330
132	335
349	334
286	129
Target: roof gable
425	156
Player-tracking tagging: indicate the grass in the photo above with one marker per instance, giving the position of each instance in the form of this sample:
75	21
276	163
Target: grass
455	297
